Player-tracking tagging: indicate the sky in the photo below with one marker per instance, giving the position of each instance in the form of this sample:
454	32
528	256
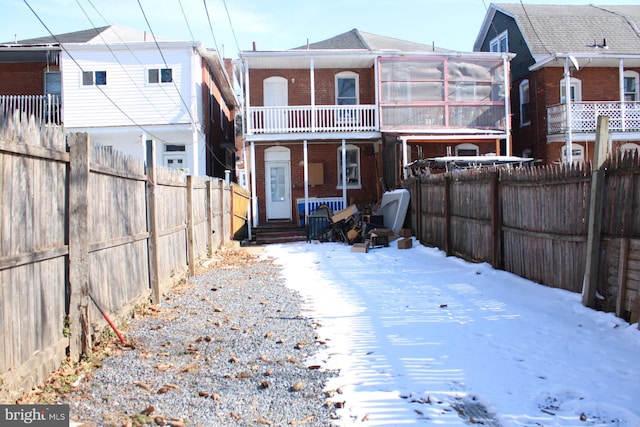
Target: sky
419	338
232	25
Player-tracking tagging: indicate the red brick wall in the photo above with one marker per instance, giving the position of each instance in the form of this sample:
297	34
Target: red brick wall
25	78
327	154
299	85
598	84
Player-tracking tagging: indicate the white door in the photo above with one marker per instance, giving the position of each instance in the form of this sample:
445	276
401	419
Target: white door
275	91
278	191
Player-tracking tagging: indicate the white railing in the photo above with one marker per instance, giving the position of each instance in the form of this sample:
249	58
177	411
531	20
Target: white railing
623	117
307	118
45	108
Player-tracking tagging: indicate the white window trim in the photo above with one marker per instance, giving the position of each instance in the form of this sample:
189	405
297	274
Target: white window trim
574	83
636	75
348	75
494	44
349	147
467	146
524	83
630	147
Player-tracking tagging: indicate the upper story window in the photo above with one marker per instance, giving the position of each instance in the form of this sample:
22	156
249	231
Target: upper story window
98	78
347	88
630	86
500	43
160	75
352	156
525	105
575	86
52	83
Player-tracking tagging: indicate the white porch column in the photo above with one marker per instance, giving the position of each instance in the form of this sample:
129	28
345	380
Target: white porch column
621	78
567	102
306	181
247	122
312	77
344	173
507	103
254	197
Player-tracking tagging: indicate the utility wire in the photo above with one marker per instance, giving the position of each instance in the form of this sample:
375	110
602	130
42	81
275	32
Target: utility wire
81	69
118	61
231	25
186	20
155	40
215	43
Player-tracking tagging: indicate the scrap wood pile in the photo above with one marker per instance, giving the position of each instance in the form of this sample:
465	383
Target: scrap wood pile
352	226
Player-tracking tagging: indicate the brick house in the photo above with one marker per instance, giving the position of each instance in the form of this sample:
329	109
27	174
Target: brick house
337	121
591	52
124	88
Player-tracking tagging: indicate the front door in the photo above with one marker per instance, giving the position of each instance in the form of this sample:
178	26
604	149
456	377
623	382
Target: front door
278	190
277	181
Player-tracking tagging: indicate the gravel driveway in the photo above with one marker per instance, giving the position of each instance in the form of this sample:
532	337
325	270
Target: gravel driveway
228	348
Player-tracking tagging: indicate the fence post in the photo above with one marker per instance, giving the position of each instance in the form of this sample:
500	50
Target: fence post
191	258
496	221
79	245
417	202
222	206
232	194
590	280
447	215
210	229
152	221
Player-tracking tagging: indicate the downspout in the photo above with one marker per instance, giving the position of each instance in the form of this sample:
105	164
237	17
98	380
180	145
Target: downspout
567	101
248	126
507	105
622	108
405	157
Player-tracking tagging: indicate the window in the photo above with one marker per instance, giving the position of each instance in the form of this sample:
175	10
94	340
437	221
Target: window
353	166
525	106
346	88
630	86
630	149
175	156
89	78
577	153
160	75
467	150
52	83
500	43
575	86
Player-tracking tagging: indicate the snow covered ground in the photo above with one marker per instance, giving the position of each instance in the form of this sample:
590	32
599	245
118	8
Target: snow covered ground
422	339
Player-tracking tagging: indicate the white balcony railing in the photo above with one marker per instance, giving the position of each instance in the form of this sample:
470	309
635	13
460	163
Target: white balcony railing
623	117
307	118
45	108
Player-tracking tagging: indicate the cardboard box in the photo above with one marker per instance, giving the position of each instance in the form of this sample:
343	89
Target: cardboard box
405	243
345	213
405	232
360	247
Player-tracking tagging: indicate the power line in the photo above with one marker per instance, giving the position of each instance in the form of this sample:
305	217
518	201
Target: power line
81	69
215	43
186	20
231	25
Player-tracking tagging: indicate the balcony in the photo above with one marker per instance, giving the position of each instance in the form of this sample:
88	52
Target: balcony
623	117
45	108
312	119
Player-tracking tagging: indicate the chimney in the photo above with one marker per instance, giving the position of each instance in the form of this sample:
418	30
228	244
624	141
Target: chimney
255	46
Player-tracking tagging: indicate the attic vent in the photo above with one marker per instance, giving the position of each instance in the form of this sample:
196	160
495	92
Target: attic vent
600	46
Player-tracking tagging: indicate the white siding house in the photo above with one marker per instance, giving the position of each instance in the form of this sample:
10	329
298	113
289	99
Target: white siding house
124	88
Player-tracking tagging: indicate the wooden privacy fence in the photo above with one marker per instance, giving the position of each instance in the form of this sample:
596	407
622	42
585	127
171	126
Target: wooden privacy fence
533	222
80	221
